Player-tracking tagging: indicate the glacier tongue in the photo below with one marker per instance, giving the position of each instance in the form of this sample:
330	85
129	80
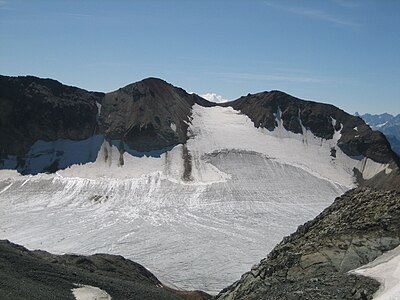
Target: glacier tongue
246	189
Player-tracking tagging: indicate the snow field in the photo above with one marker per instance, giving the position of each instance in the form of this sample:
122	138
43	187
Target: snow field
249	187
87	292
386	270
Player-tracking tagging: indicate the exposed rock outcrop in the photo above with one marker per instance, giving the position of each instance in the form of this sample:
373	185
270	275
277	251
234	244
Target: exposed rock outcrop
148	115
41	275
313	263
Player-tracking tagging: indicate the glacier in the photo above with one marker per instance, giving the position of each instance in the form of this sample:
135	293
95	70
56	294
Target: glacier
196	215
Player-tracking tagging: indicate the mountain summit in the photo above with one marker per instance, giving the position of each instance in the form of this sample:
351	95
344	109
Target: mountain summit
148	115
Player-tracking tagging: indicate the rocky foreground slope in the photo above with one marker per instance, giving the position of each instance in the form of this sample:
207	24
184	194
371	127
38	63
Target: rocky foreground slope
313	262
40	275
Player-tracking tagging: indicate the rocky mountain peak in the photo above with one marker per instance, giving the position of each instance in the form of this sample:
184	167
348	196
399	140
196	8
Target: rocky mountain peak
148	115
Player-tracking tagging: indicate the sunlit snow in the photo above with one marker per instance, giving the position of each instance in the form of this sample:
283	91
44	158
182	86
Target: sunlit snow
248	188
213	97
386	270
87	292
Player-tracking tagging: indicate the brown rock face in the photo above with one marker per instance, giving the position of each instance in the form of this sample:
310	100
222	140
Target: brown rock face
43	109
148	115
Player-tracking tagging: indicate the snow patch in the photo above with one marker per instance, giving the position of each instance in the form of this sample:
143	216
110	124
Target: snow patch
88	292
98	110
381	125
370	168
173	126
386	270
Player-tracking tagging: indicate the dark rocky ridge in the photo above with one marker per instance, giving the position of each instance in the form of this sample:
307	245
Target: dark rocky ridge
313	262
43	109
40	275
262	108
142	114
147	115
317	117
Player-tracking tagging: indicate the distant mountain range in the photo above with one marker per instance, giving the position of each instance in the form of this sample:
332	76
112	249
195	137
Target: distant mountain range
388	125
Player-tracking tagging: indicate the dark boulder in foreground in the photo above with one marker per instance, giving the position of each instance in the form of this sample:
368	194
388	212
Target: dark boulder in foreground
40	275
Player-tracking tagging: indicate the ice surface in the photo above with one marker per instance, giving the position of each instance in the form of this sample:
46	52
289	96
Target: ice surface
190	235
386	270
249	187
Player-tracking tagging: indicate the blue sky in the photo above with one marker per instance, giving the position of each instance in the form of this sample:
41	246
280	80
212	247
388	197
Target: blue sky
342	52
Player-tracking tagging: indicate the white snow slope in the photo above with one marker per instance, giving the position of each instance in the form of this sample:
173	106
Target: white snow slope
249	187
386	270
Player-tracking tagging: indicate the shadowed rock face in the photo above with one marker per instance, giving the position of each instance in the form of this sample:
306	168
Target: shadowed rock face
41	275
35	109
145	116
313	262
357	139
148	115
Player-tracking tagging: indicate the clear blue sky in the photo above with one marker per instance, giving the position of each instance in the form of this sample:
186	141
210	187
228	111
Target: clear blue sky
342	52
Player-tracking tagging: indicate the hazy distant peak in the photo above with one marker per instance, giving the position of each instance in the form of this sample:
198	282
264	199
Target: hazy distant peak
213	97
